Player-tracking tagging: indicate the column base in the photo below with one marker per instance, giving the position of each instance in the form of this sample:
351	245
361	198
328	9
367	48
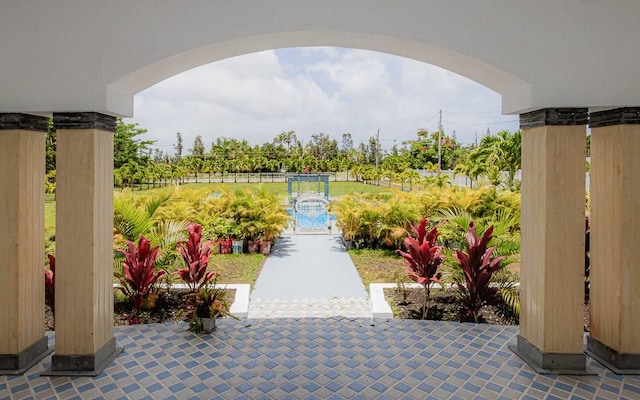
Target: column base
17	364
84	364
619	363
550	363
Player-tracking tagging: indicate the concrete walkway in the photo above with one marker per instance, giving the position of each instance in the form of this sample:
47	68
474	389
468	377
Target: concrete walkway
309	276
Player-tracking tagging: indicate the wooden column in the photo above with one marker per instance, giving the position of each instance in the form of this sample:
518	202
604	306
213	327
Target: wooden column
84	244
614	339
22	156
553	234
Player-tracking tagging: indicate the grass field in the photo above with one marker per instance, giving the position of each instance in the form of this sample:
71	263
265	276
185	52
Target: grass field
237	268
49	217
379	266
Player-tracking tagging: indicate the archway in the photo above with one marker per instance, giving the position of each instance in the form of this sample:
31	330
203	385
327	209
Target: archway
85	60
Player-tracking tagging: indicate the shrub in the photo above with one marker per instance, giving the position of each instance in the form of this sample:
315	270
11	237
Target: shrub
196	256
478	266
424	258
139	273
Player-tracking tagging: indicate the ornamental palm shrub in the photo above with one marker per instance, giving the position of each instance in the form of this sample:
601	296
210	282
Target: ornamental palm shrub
274	217
423	258
195	254
136	215
348	210
50	284
140	274
478	266
398	215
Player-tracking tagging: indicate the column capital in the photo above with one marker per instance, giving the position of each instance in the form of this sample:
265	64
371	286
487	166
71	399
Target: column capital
554	116
27	122
617	116
84	120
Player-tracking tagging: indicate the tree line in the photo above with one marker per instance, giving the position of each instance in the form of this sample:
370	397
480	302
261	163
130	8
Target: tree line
137	161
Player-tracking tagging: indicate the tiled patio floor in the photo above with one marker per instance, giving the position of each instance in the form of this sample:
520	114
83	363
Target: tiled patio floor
320	359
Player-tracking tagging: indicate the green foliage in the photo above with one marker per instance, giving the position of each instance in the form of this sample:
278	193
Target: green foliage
211	301
493	155
424	150
128	147
381	220
50	147
198	147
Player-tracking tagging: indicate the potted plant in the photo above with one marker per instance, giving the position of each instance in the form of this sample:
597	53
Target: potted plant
237	241
275	219
252	246
208	304
222	230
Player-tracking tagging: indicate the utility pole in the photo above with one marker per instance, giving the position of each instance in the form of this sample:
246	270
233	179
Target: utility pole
377	147
440	144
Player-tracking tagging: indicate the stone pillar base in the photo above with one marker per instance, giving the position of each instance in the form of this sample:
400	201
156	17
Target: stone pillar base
620	363
84	364
550	363
17	364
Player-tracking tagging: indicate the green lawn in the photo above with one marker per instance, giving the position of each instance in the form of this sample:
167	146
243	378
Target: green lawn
379	266
49	217
237	268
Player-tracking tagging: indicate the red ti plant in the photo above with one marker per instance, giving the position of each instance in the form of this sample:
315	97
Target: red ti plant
139	273
196	256
478	266
423	258
50	284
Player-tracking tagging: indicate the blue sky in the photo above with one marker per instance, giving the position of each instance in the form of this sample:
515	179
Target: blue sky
312	90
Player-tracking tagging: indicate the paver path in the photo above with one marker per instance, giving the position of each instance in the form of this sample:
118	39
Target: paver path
309	276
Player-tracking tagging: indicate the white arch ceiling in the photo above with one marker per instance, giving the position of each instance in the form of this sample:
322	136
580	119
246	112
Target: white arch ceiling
94	55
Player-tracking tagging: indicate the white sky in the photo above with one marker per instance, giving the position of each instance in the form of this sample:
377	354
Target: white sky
313	90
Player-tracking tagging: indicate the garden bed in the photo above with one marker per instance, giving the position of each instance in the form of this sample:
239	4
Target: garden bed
407	304
168	307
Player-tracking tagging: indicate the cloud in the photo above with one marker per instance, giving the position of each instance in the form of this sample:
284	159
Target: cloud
312	90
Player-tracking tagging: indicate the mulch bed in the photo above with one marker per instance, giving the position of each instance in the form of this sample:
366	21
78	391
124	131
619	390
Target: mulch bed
407	304
444	307
168	307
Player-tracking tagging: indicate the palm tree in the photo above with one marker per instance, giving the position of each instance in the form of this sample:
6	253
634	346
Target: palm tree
257	164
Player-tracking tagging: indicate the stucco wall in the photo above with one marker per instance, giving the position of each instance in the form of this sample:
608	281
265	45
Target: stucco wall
79	55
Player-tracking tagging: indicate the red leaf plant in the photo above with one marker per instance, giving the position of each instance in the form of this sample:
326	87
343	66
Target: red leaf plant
196	256
139	274
50	284
478	265
424	258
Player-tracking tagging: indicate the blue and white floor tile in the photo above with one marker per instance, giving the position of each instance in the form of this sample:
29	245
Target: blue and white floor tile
319	359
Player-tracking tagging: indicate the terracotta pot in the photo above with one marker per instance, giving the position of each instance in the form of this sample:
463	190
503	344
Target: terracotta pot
253	246
225	246
265	247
